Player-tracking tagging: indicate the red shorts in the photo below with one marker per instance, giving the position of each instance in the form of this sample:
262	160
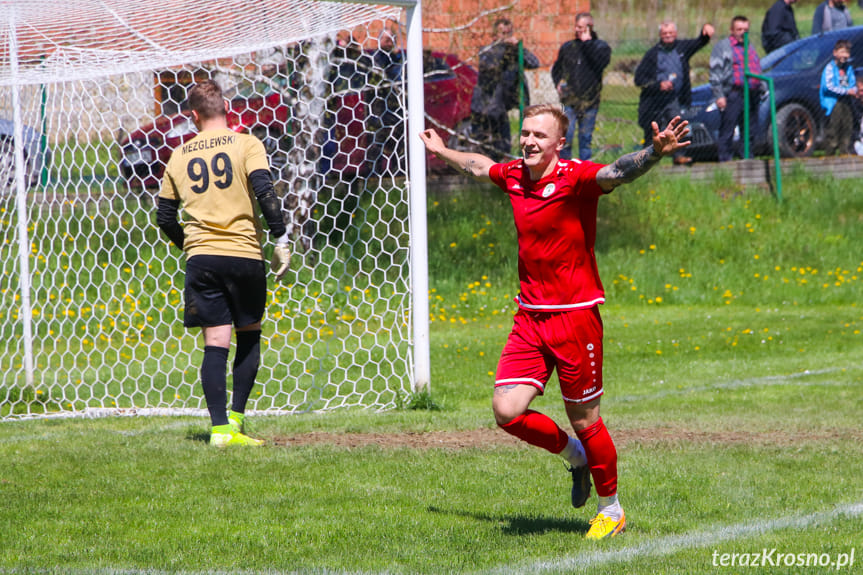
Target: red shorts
571	341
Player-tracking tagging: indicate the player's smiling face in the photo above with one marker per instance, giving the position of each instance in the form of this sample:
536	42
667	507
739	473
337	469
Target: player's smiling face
541	143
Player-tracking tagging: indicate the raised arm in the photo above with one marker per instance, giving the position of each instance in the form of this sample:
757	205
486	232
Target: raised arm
469	163
631	166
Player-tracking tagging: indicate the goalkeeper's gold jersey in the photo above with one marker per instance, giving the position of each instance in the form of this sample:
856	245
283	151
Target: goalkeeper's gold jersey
209	174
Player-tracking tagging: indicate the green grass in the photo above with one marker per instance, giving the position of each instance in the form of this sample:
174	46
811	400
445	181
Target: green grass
711	439
734	393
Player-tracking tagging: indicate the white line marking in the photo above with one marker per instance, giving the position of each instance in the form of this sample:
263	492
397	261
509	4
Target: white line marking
675	543
789	379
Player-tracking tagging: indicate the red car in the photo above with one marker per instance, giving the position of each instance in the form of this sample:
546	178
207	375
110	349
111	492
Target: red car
264	110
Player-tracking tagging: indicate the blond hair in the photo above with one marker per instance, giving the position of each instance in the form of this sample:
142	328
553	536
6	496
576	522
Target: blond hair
553	110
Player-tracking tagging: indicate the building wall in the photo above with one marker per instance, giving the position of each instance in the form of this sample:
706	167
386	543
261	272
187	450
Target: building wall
463	26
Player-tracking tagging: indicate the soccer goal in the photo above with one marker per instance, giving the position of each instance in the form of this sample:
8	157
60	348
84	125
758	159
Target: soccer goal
93	100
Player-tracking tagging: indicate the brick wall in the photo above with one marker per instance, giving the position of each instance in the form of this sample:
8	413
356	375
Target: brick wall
543	25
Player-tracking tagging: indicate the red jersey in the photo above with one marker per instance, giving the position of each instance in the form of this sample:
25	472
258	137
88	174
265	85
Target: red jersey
556	223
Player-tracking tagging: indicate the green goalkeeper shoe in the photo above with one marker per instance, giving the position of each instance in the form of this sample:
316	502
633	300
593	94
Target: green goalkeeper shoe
237	421
232	438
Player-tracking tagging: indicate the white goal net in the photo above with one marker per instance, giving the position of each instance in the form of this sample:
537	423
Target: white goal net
93	100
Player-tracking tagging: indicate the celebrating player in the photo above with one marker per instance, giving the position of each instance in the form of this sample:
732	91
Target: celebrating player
217	176
558	325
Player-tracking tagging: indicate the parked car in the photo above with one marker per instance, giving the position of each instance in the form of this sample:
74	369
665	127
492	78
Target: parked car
254	108
796	70
264	110
36	155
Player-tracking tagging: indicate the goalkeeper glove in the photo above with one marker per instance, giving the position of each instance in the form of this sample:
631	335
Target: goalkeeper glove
281	257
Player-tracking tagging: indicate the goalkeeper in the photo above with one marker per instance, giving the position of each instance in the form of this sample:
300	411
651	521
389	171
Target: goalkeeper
216	177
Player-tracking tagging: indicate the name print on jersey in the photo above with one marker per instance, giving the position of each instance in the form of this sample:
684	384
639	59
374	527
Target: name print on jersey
208	143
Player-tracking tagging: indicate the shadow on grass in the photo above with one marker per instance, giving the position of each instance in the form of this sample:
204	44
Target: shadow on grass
202	436
522	524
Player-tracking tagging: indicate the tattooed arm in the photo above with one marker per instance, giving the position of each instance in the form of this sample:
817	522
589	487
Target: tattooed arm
468	163
631	166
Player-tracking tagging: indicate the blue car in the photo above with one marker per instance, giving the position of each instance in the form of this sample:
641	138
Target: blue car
36	155
800	122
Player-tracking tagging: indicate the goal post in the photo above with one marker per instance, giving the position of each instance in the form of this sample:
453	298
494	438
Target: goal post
91	292
417	166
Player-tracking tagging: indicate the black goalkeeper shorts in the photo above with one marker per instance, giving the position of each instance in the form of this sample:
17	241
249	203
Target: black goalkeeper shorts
222	290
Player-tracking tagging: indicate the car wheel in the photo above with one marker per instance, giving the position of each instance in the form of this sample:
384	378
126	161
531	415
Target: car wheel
796	128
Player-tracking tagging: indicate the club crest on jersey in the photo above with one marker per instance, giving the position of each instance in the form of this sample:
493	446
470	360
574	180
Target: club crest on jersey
548	190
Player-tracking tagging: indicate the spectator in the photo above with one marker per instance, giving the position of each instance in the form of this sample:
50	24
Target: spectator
838	98
779	26
497	90
663	76
577	75
831	15
727	82
384	120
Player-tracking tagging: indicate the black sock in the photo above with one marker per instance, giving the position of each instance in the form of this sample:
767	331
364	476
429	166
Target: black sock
246	361
213	380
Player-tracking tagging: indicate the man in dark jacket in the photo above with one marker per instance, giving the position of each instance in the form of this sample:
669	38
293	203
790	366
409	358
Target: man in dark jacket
663	76
779	26
577	75
497	90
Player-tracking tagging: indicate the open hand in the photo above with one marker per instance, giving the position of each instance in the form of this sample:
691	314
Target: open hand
670	139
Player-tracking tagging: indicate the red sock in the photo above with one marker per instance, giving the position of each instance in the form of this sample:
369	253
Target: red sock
601	457
539	430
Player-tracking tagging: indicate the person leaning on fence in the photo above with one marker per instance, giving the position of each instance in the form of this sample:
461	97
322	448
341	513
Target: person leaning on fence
216	177
557	324
839	100
663	76
830	15
727	84
577	76
497	90
779	26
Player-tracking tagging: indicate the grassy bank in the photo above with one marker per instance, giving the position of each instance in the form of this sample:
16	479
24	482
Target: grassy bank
663	240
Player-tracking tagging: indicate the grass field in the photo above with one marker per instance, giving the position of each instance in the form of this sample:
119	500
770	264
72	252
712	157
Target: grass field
734	378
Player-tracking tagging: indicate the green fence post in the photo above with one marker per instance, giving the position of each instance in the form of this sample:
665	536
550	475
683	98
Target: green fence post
43	136
776	163
520	82
746	76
